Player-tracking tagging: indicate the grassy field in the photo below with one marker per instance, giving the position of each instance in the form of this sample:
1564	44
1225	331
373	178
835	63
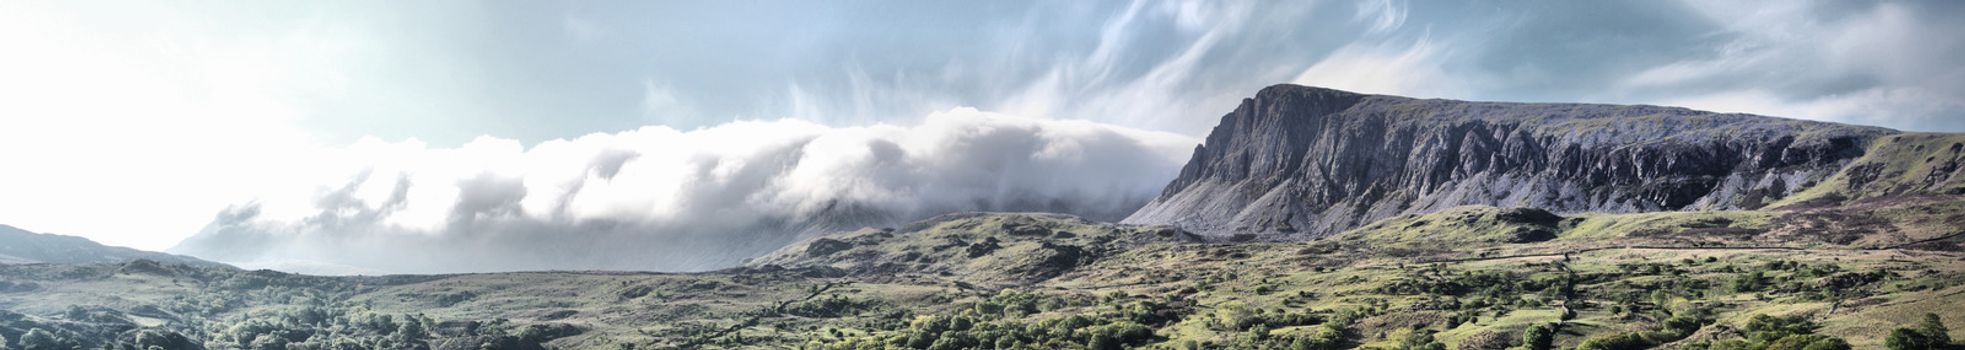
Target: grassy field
1461	278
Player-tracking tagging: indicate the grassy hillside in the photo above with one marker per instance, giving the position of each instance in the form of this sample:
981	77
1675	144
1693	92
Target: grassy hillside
1468	278
18	246
995	250
1896	165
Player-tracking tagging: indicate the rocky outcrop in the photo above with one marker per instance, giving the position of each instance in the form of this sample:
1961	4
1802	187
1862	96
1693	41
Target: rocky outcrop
1298	162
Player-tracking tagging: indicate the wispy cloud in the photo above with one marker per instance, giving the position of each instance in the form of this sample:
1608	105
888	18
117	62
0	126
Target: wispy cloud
1891	64
1416	70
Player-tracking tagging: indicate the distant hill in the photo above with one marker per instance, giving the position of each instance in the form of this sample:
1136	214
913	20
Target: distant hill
994	249
19	246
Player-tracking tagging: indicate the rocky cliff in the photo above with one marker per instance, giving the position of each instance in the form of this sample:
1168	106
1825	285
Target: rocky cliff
1298	162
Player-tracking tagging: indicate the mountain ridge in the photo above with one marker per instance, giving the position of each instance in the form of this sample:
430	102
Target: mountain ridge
1298	162
20	246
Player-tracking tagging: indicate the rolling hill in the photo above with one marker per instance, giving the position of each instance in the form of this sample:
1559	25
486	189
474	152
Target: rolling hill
19	246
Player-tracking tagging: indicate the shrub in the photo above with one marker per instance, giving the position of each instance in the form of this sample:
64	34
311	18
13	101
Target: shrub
38	339
1765	332
1907	339
1934	329
1615	341
1485	340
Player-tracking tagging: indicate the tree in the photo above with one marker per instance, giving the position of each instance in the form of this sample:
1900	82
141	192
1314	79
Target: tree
1935	331
411	329
269	342
1539	337
38	339
1421	339
1929	335
1751	282
1615	341
1662	298
1907	339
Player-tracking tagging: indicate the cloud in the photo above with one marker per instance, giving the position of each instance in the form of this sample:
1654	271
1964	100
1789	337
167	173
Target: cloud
1890	64
1414	70
662	104
657	198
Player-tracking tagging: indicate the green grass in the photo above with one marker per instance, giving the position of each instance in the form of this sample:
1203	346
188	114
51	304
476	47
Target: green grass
1612	226
1457	225
1350	276
1892	165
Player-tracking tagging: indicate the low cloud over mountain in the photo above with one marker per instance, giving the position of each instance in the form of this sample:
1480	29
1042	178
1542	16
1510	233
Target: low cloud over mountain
662	199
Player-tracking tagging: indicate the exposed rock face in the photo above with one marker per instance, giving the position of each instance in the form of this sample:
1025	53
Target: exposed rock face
1300	162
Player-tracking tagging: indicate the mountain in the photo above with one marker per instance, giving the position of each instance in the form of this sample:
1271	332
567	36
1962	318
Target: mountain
1552	226
19	246
1298	162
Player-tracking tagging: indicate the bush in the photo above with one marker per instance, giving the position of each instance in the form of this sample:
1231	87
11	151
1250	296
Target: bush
1929	335
1485	340
1808	342
1326	337
1420	339
1615	341
1539	337
1765	332
1908	339
38	339
1934	328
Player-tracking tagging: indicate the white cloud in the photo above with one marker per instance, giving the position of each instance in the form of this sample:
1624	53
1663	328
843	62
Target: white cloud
1876	106
663	199
1413	70
1875	64
661	104
1167	92
1383	15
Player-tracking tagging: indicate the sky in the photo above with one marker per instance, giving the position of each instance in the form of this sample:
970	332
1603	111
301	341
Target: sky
143	123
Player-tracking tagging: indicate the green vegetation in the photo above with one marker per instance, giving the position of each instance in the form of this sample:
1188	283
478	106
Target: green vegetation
1932	335
1005	281
1765	332
1466	224
1896	165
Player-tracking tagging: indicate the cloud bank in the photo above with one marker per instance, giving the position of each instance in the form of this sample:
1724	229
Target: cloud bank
661	199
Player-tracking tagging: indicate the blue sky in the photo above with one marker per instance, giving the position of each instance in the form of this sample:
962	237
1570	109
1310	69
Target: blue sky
166	112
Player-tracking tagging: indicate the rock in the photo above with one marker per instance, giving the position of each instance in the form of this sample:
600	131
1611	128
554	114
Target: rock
544	332
825	246
1299	162
1531	216
980	249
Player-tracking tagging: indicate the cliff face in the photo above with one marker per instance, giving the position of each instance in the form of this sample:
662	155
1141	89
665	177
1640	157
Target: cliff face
1299	162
